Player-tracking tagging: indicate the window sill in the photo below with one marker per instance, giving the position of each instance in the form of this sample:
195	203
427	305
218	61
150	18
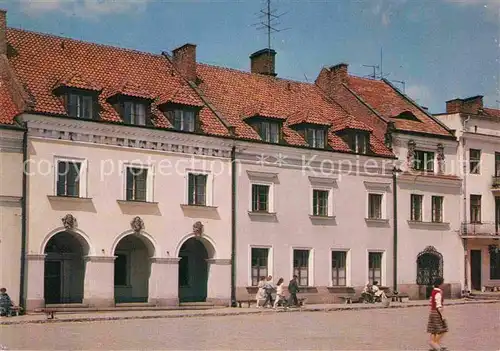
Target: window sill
134	202
341	289
198	207
261	213
308	289
377	220
327	218
69	198
423	224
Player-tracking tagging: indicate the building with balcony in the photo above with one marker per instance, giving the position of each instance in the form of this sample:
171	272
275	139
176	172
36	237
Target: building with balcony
477	129
158	180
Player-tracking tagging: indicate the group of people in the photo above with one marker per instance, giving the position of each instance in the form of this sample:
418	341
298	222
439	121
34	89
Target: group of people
266	288
372	293
5	303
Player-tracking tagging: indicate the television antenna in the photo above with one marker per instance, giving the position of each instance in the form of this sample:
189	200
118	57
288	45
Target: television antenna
402	82
269	21
375	68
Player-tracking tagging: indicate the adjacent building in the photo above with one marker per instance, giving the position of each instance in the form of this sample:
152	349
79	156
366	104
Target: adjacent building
477	129
159	180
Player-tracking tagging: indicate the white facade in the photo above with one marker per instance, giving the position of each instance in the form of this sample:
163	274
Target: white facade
479	224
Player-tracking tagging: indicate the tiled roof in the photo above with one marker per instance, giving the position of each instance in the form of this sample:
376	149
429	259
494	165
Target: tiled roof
42	62
8	110
389	103
239	95
492	112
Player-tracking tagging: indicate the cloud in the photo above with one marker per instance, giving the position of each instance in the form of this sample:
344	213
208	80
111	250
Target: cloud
420	94
90	9
384	9
491	7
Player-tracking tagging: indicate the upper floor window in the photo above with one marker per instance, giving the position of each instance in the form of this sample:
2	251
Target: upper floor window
136	187
197	189
497	164
437	209
320	202
416	207
358	142
375	206
315	137
134	112
68	178
80	105
424	161
475	208
260	198
184	120
270	131
474	161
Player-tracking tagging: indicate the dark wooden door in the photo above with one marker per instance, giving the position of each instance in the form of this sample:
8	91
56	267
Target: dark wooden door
475	269
52	286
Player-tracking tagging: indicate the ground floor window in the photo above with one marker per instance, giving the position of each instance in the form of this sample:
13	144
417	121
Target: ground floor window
339	268
301	266
494	264
260	258
375	267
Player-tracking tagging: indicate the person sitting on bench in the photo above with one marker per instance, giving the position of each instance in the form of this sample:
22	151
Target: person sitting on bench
377	292
5	303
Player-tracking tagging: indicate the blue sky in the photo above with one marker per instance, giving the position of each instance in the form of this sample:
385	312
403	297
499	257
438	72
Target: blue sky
442	49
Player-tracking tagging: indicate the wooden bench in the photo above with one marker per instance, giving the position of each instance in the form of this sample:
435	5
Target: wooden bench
349	299
399	297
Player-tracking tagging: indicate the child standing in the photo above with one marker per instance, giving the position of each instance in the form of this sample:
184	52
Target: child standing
280	295
436	325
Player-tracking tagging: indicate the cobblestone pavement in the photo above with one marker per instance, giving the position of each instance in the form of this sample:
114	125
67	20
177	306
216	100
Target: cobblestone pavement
472	327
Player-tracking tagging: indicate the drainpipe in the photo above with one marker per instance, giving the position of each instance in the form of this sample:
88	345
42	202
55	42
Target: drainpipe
233	226
24	220
464	225
395	228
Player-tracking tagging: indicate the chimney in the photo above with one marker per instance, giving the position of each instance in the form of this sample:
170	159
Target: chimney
262	62
330	79
468	105
338	73
185	61
3	32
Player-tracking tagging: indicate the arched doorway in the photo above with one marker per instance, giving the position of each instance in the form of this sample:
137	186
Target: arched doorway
64	270
193	270
429	267
132	268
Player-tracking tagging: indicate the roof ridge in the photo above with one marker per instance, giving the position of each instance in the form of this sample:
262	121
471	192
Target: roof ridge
48	35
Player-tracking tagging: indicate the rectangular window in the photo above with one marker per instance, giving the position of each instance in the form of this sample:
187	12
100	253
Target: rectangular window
136	184
134	113
494	265
197	189
320	203
497	164
424	161
416	207
270	132
437	209
375	267
301	266
475	208
184	120
360	143
315	137
259	264
339	272
260	198
375	206
68	178
80	106
474	161
121	270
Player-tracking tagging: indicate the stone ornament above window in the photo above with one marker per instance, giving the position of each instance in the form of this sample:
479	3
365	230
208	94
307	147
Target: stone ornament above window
410	158
69	222
198	229
440	158
137	224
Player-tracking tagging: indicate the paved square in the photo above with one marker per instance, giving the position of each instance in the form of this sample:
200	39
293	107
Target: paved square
472	327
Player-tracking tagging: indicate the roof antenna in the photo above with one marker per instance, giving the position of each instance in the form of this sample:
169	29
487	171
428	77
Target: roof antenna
269	22
375	68
402	82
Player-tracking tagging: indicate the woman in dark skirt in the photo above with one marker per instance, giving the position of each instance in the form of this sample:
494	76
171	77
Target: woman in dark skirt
437	326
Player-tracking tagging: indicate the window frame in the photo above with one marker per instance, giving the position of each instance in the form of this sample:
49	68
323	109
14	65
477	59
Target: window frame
475	208
433	214
426	161
209	187
494	265
475	163
313	142
184	126
329	212
127	119
346	267
383	268
413	217
149	181
269	261
310	265
270	204
497	164
382	205
194	197
82	186
269	138
81	96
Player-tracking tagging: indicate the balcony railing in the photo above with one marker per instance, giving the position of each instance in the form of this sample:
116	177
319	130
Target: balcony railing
483	228
495	182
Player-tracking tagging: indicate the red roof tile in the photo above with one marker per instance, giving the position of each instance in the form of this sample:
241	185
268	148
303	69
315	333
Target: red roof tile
8	109
389	103
42	61
492	112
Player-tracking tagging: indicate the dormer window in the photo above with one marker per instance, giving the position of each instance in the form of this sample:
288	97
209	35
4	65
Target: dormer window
269	131
80	105
184	120
315	137
359	143
134	112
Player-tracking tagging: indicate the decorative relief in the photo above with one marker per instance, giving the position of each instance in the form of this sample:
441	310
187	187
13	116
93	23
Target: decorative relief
137	224
69	222
410	158
198	229
440	158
